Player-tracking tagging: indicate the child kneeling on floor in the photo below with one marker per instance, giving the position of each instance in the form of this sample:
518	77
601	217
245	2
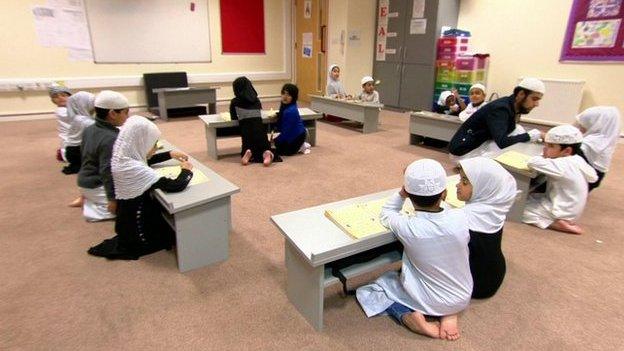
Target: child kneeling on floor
568	175
435	277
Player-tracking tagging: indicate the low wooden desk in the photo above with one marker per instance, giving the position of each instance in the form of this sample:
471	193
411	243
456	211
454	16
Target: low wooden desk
365	112
432	125
169	98
200	215
217	128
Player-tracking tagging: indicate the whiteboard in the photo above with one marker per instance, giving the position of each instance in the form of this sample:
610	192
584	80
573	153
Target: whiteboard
560	104
148	31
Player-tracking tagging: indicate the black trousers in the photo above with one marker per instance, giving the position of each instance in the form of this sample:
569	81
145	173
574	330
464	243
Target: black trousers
72	154
487	263
596	184
287	149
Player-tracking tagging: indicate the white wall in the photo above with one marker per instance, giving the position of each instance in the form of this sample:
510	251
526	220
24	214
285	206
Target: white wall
22	57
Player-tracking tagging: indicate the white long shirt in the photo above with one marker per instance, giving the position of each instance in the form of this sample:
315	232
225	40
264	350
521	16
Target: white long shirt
366	97
469	110
435	278
63	124
566	188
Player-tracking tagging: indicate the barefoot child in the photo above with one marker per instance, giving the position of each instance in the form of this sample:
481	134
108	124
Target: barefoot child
435	276
567	176
289	124
59	95
477	100
601	130
247	109
489	192
95	179
368	94
80	111
140	226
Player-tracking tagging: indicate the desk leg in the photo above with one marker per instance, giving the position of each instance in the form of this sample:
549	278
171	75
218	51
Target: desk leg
202	234
304	286
415	139
371	119
523	183
211	142
312	134
162	107
212	108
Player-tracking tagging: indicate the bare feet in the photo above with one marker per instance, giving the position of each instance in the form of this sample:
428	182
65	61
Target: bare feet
267	158
78	202
448	328
246	157
417	323
566	226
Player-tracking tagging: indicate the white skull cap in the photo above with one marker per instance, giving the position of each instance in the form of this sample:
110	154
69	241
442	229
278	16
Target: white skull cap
111	100
564	134
425	177
533	84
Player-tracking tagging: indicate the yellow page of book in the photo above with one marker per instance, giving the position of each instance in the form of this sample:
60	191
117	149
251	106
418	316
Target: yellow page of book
225	116
362	219
159	145
514	159
451	192
173	172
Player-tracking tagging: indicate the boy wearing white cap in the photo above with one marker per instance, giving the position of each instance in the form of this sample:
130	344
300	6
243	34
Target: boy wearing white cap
59	95
95	179
567	174
368	94
477	100
497	120
435	277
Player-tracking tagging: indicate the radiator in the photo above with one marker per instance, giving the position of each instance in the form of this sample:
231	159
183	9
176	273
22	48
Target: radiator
560	104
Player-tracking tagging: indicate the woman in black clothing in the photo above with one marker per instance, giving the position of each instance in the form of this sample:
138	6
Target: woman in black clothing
489	191
246	108
139	224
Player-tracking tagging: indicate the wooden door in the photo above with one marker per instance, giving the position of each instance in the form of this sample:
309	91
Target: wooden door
310	47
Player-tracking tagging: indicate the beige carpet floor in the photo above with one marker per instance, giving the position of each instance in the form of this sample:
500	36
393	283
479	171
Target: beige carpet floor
561	292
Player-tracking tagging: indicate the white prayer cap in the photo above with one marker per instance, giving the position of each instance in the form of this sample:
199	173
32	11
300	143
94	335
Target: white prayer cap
478	86
533	84
58	89
367	79
111	100
425	177
564	134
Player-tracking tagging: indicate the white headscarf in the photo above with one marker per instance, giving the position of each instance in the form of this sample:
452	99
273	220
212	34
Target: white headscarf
443	96
603	129
131	174
334	86
493	193
80	104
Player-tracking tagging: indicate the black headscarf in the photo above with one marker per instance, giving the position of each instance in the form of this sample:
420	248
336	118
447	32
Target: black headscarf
293	91
246	95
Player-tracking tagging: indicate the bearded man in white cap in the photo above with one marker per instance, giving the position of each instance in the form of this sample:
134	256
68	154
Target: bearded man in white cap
497	120
95	179
435	277
568	175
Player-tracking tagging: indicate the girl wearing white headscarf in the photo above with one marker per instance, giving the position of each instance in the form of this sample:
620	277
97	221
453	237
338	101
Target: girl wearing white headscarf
334	88
601	129
139	225
80	115
489	191
59	95
450	103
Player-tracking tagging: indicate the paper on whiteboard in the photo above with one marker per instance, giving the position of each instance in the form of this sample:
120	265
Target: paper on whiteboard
46	25
307	45
418	26
418	9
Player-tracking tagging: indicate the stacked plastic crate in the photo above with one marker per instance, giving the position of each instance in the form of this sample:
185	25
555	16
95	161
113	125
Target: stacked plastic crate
456	67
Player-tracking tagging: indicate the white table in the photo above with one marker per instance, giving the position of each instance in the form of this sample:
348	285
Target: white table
432	125
366	113
200	216
169	98
217	128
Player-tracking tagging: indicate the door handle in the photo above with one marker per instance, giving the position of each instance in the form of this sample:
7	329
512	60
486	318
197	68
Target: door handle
323	29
